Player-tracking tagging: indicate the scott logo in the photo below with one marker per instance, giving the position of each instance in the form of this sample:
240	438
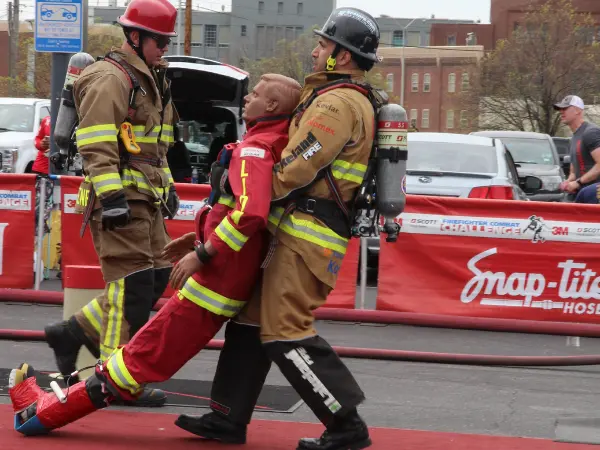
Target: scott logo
560	231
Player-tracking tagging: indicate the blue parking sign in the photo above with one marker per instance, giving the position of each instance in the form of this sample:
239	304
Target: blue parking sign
58	26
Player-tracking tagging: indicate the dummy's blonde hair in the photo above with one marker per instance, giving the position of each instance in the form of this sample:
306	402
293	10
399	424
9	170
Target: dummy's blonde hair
285	90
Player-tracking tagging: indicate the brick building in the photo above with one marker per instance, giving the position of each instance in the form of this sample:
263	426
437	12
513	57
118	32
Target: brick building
505	16
463	34
434	79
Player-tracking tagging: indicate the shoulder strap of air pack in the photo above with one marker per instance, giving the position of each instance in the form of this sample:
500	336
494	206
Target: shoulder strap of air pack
116	60
377	99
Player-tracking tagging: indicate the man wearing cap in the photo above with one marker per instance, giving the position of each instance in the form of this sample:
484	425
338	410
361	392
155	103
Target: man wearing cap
128	188
330	139
584	150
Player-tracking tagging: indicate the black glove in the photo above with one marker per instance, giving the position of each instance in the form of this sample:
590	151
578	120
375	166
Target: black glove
172	204
115	211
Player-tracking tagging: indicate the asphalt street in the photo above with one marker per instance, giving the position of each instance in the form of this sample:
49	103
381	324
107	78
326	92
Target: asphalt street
423	396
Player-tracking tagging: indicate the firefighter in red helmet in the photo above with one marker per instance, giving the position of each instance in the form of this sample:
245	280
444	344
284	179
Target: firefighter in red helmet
126	121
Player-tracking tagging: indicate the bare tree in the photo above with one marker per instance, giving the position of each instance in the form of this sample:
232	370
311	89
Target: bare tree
293	59
100	40
551	54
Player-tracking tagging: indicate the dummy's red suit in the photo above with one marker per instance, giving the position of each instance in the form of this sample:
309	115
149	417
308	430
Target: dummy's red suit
195	313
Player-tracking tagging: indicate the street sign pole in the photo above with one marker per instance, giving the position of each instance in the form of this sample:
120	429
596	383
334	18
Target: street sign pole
59	29
60	62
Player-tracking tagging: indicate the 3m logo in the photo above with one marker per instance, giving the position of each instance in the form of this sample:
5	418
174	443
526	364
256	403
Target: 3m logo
560	231
69	203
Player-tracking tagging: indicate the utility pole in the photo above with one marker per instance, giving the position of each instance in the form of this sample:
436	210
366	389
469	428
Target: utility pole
179	13
188	28
14	38
11	63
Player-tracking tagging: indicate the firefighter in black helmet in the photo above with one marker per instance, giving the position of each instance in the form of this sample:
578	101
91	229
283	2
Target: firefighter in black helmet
333	128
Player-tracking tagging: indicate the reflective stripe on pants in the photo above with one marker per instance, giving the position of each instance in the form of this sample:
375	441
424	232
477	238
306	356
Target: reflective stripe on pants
170	339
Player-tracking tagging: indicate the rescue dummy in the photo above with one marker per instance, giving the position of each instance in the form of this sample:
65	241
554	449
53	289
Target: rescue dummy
231	243
321	173
125	126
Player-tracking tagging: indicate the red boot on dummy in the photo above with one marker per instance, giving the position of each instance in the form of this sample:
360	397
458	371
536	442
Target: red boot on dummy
38	412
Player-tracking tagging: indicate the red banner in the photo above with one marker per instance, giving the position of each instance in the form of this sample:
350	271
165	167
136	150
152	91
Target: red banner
491	258
75	250
17	230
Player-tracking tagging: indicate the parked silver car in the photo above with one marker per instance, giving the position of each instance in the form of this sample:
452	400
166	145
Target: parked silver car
458	165
534	154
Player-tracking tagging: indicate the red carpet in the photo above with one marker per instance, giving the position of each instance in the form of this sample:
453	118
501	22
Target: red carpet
116	430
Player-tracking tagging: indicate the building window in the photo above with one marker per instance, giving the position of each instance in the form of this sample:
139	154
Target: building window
451	39
261	7
471	39
389	82
279	7
464	121
300	8
425	119
210	35
414	115
452	82
398	38
450	119
426	82
243	30
465	82
427	39
415	82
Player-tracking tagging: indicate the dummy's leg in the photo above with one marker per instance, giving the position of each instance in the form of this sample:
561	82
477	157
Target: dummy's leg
178	332
170	339
38	412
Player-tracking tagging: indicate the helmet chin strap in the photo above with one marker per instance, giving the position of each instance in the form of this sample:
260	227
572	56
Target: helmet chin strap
331	62
136	48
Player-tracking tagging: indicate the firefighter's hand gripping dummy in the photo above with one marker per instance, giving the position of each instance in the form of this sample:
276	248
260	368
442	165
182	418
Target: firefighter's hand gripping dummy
232	240
330	141
125	128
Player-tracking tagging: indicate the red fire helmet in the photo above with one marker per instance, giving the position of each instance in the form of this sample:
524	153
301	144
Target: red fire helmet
155	16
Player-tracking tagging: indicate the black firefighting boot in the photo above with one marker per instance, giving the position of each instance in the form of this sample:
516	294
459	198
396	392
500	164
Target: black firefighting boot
213	426
241	372
66	339
327	387
349	432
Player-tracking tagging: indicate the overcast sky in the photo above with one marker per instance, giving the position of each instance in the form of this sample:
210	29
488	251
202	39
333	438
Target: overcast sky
443	9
